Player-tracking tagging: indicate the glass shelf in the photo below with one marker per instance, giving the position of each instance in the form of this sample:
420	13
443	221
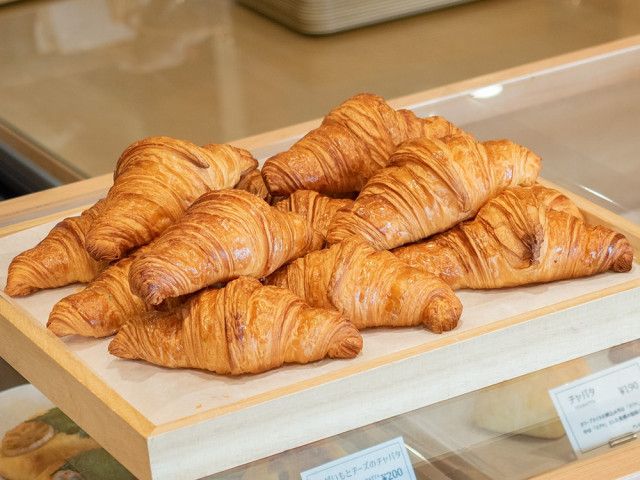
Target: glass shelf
508	431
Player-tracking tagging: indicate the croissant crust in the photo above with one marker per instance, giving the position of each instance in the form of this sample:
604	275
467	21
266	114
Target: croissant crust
253	182
100	309
58	260
525	235
354	140
155	181
317	209
430	186
224	235
242	328
372	288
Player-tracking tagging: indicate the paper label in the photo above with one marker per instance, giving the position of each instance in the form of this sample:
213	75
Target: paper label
386	461
633	476
599	407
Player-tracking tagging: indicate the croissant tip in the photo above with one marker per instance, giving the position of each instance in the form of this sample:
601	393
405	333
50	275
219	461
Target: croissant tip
624	261
442	313
66	320
349	345
60	327
18	290
143	285
119	348
150	293
103	250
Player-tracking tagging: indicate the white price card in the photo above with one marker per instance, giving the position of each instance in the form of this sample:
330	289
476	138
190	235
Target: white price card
601	406
385	461
633	476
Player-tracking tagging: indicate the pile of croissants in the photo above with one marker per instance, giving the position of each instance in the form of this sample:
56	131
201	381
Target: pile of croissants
198	259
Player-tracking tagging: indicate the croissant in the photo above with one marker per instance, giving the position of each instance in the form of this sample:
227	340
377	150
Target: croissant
241	328
317	209
101	308
58	260
431	185
253	182
523	236
155	180
223	235
371	288
354	140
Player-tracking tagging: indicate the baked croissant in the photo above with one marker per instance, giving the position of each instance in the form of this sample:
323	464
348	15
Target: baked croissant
223	235
253	182
523	236
241	328
371	288
101	308
58	260
430	186
317	209
155	180
354	140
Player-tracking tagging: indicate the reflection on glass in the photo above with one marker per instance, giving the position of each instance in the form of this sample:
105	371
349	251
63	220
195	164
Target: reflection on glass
487	92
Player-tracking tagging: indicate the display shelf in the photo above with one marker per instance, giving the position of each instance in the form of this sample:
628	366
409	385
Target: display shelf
447	441
532	105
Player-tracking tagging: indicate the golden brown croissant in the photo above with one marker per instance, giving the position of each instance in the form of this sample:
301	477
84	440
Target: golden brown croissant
354	140
241	328
317	209
223	235
524	235
155	180
372	288
58	260
253	182
101	308
431	185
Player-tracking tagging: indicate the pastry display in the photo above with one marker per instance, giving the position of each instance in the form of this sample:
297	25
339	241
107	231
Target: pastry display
190	235
58	260
155	181
355	139
431	185
317	209
244	327
31	447
523	236
223	235
371	288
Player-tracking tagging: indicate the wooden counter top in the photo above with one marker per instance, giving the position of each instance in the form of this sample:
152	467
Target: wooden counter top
85	84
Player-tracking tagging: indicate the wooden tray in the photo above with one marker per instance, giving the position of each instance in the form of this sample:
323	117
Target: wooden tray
173	424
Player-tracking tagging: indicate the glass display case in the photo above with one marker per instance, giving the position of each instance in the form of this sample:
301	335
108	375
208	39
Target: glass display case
581	113
508	431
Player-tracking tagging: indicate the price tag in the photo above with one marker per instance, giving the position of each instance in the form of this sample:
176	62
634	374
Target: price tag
599	407
386	461
633	476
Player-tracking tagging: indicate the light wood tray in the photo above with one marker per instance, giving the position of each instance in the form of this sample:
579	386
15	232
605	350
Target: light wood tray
172	424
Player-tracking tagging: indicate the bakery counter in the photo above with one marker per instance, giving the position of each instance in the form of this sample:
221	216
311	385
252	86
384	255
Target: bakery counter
455	399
